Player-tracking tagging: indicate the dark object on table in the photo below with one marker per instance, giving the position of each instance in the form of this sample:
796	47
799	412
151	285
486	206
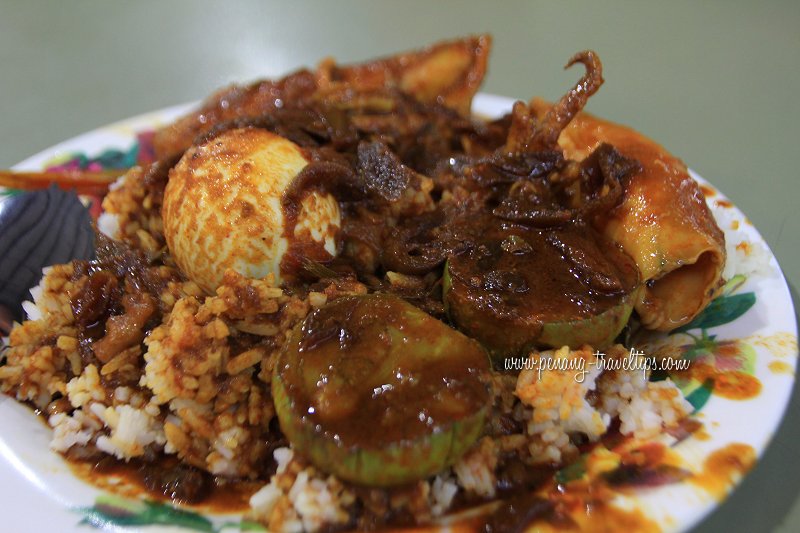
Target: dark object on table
39	229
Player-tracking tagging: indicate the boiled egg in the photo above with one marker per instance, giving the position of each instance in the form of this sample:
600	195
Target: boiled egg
222	210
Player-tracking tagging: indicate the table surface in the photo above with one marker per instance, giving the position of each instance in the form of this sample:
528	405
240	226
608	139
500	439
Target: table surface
712	82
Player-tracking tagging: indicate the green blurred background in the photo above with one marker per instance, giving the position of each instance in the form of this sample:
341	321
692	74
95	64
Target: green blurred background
712	81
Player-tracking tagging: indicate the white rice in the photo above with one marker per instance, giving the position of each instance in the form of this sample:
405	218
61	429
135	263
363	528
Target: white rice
645	408
745	256
558	404
85	388
132	431
108	224
299	498
443	490
121	430
476	470
69	431
36	309
555	404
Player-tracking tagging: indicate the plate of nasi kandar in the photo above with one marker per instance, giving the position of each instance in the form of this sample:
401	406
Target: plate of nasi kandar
366	297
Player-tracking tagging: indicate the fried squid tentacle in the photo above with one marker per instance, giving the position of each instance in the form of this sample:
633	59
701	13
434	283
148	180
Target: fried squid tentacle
529	135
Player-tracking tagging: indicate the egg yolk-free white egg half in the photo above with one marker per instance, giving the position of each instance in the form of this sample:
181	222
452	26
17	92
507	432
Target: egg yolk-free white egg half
222	209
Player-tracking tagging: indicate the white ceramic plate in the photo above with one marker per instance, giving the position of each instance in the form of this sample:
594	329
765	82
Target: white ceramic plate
39	493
